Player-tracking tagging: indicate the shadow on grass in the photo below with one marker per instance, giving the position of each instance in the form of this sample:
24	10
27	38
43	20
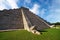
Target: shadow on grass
41	31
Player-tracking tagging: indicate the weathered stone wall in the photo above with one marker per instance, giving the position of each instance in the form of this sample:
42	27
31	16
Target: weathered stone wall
11	19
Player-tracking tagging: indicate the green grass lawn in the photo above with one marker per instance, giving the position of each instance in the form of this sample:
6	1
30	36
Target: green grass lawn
50	34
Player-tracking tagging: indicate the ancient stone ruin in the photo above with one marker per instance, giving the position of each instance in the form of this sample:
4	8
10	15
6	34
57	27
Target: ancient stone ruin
21	18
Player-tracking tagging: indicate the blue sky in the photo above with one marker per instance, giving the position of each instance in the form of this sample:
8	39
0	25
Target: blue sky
47	9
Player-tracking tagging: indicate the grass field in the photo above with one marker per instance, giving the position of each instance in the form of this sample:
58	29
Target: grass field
49	34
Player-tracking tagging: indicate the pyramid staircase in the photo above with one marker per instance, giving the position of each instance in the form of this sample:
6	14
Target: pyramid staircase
22	18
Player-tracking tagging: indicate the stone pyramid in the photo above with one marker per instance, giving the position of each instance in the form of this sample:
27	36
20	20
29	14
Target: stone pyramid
21	18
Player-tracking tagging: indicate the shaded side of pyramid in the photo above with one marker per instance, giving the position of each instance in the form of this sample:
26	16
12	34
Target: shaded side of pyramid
11	19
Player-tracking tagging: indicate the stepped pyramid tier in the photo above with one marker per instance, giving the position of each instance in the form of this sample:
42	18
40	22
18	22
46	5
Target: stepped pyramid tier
21	18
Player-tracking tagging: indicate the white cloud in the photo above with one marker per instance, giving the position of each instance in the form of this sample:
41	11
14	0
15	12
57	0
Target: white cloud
13	3
54	12
2	5
7	4
35	9
54	15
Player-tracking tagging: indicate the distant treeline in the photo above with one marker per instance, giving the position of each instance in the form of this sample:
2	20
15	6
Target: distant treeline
57	23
